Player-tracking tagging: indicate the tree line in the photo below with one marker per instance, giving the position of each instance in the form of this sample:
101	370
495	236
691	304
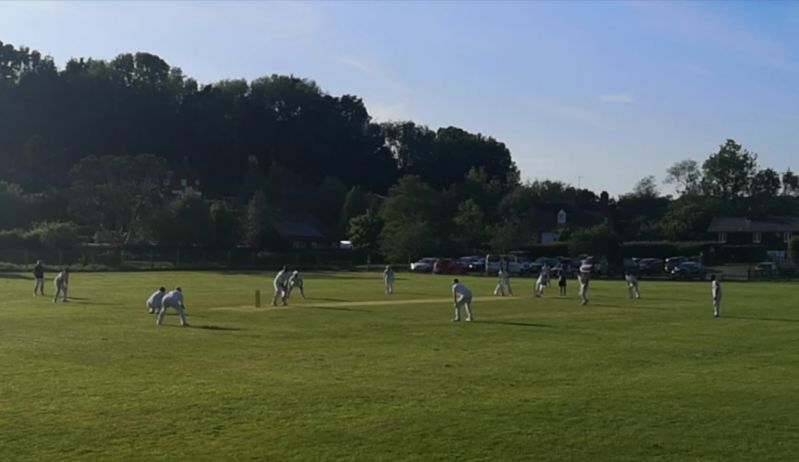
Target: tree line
95	149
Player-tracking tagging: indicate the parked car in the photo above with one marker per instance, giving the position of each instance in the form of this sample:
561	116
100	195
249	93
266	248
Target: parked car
766	268
650	265
474	263
673	262
449	266
688	270
425	265
540	262
510	262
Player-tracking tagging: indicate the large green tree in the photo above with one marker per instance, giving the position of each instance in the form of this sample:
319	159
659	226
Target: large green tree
117	193
415	220
727	173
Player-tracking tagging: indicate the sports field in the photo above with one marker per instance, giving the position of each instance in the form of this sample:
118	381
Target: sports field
353	374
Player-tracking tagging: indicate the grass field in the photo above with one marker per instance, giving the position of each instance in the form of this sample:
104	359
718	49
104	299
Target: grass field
348	374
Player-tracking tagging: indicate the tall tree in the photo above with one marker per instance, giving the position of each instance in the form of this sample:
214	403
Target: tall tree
646	187
727	173
364	232
117	193
765	183
259	232
790	183
415	220
686	175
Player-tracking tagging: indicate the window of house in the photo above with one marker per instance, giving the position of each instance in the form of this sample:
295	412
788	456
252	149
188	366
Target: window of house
722	237
756	237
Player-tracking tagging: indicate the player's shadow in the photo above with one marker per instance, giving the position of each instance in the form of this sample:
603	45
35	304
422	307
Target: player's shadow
219	328
754	318
517	323
15	276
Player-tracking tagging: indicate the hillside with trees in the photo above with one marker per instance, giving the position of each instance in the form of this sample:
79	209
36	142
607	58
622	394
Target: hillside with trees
132	151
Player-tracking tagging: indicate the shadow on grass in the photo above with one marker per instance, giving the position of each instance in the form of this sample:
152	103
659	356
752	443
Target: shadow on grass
753	318
517	323
334	308
15	276
219	328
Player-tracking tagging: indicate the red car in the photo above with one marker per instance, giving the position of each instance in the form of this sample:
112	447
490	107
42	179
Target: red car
448	266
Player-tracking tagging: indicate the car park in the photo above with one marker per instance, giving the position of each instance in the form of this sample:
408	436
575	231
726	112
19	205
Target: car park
673	262
688	270
765	269
449	266
425	265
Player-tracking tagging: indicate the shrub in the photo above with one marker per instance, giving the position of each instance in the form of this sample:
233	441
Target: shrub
55	235
17	239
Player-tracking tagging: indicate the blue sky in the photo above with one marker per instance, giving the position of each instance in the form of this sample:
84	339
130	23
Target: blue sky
607	91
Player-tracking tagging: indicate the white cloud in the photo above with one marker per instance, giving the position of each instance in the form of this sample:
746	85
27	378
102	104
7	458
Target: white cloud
619	98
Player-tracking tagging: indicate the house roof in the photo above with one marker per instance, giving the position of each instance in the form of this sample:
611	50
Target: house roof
297	230
747	225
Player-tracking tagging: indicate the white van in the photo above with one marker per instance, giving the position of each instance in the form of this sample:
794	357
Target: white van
511	264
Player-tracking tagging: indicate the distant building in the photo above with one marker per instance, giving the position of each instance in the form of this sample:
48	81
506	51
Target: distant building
185	182
548	221
774	233
302	232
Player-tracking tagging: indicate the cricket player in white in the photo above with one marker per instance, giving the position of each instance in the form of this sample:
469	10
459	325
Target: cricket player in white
583	276
281	289
295	282
546	271
632	285
715	288
61	282
462	297
540	283
503	284
388	280
154	302
173	299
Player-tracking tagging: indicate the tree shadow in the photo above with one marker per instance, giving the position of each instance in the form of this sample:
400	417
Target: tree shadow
15	276
753	318
517	323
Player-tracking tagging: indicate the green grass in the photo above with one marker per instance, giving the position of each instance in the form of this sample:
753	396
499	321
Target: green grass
534	379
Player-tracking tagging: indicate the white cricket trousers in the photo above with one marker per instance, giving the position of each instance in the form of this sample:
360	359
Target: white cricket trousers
389	286
632	288
60	289
280	293
466	303
179	308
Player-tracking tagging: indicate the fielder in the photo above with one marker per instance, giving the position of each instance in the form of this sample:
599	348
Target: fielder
173	299
540	283
61	282
562	283
38	275
632	285
547	272
715	288
154	302
503	284
462	297
388	280
279	284
583	278
295	282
